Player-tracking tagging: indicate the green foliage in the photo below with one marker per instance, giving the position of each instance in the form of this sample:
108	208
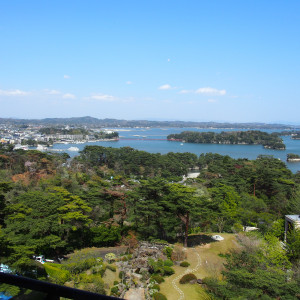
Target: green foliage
168	271
121	274
76	266
159	296
184	264
110	257
158	278
103	236
293	245
251	137
57	275
257	270
99	269
92	283
114	291
168	251
111	267
159	267
129	161
9	290
168	263
187	278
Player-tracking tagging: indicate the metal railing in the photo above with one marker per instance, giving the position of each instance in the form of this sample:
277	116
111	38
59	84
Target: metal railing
52	291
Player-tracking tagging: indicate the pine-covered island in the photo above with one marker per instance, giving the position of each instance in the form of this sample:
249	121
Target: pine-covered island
250	137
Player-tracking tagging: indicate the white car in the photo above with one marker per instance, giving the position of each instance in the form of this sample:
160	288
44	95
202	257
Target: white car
217	238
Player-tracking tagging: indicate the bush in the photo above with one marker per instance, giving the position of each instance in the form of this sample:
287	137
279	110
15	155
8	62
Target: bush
100	269
168	271
110	257
168	263
156	287
187	278
111	267
121	274
184	264
116	282
58	275
114	291
168	251
76	267
97	286
159	296
158	278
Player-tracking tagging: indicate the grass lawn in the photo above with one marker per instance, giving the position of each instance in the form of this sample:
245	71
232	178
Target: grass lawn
109	277
211	265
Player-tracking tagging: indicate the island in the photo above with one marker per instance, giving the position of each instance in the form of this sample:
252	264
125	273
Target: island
250	137
291	157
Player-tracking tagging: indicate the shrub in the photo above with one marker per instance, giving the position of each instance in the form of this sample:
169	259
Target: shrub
76	267
159	296
97	286
121	274
111	267
168	271
58	275
110	257
158	278
184	264
168	251
116	282
114	291
168	263
178	253
187	278
156	266
156	287
100	269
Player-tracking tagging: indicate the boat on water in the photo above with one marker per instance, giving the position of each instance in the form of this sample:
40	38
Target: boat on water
181	144
73	149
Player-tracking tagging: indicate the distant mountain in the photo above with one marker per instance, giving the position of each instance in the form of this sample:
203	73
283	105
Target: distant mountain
94	122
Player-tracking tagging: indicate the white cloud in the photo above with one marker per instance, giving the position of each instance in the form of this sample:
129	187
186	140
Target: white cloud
13	93
169	59
53	92
103	97
66	77
211	91
165	87
211	100
69	96
128	82
186	91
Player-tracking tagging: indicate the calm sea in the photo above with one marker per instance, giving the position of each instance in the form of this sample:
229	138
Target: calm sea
140	138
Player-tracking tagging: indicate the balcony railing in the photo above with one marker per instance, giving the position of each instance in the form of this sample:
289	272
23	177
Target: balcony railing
52	291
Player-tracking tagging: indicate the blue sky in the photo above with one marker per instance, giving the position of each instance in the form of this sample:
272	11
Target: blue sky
236	61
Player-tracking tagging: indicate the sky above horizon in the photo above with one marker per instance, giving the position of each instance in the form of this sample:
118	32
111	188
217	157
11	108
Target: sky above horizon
234	61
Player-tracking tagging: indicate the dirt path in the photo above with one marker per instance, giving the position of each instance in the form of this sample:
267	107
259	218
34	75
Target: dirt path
176	279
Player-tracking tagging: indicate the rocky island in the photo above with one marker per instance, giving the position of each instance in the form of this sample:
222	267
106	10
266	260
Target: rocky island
291	157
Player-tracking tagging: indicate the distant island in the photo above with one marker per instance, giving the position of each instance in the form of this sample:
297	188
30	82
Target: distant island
251	137
115	123
291	157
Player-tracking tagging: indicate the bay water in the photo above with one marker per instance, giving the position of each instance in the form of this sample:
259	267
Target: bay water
153	140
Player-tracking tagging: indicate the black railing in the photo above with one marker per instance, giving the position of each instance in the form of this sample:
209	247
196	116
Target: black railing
52	291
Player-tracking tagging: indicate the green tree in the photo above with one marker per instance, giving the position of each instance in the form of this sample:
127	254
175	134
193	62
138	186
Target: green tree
182	201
